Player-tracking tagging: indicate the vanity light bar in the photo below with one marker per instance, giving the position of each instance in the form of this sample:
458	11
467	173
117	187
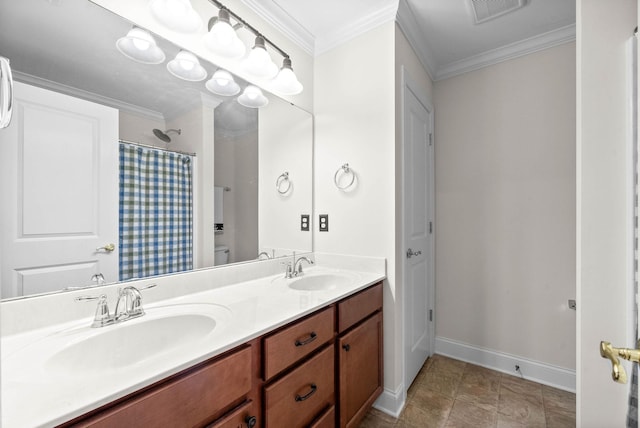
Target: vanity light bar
250	27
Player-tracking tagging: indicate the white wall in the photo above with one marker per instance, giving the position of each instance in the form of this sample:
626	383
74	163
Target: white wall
603	29
285	136
236	167
505	207
197	137
139	129
354	106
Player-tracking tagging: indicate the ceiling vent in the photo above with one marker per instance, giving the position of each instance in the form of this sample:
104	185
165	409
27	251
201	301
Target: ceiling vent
485	10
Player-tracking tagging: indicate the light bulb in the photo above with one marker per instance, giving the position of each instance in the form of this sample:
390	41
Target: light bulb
187	67
223	32
177	15
176	7
252	97
140	46
286	81
222	83
259	63
222	38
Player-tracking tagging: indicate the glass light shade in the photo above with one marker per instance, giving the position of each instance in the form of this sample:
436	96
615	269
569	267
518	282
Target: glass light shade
286	81
258	63
140	46
222	83
222	38
177	15
252	97
187	67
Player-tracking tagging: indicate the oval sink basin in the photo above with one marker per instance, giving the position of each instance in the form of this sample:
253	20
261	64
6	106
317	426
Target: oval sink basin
320	282
160	331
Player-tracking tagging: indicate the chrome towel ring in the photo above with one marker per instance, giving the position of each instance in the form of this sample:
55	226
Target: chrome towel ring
283	183
344	170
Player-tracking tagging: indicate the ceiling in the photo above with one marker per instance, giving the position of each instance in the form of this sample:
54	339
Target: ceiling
443	32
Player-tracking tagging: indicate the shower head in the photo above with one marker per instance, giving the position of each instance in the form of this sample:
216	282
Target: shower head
164	135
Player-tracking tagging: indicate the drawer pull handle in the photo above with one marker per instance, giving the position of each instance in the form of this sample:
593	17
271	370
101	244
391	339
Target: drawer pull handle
314	388
250	421
311	338
346	347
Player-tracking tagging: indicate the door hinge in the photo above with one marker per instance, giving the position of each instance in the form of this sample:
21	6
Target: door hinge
430	314
430	139
430	227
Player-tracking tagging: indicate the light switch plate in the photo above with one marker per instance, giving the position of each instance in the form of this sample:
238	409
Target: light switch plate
304	222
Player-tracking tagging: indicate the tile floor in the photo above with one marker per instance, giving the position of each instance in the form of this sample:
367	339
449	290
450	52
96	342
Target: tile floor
451	393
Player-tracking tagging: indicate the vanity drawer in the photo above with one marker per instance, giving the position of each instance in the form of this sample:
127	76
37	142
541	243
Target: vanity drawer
297	399
287	346
193	400
243	416
358	307
326	420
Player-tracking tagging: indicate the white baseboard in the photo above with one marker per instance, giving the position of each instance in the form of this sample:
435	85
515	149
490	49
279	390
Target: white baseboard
546	374
391	402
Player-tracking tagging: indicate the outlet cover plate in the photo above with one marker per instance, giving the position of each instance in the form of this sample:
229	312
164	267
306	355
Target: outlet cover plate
324	222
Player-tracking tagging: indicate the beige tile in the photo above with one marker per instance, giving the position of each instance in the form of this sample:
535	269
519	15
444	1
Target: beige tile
507	423
481	378
464	414
557	399
449	393
479	397
522	409
378	419
427	407
515	386
560	419
419	417
448	365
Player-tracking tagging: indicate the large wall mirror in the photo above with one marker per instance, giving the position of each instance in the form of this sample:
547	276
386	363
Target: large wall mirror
62	168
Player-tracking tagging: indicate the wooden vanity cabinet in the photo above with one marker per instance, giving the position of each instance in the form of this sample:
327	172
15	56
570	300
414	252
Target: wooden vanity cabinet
321	371
360	355
214	394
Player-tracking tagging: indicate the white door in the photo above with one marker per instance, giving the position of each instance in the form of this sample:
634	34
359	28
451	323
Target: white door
59	193
418	229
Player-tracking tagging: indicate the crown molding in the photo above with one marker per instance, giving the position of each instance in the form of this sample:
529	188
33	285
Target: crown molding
333	39
86	95
415	36
514	50
282	21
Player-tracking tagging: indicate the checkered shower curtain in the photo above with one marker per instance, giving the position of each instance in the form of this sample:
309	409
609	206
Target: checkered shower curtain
156	212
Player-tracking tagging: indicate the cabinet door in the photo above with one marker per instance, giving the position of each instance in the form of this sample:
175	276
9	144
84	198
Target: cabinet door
360	365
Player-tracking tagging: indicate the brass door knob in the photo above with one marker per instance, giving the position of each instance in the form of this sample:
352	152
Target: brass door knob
107	248
618	373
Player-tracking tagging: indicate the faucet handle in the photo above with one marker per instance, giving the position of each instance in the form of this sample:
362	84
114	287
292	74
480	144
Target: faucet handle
102	316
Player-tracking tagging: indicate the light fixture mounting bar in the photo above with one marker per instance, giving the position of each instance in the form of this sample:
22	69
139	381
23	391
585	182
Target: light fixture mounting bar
249	26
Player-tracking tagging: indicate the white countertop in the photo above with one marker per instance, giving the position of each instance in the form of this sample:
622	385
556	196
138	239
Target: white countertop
33	396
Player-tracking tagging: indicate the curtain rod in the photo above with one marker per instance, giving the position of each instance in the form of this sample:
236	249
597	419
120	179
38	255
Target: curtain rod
148	146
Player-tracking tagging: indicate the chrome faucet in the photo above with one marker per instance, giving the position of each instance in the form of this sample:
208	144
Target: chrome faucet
294	268
128	306
297	266
264	253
